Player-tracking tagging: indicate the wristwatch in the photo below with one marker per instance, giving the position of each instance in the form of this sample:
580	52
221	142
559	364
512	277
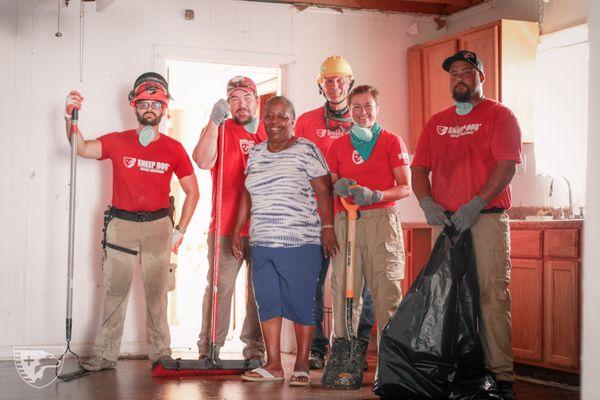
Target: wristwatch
180	229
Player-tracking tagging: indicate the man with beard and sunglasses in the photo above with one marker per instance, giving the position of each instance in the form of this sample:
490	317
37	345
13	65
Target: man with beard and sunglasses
241	133
138	222
471	151
323	126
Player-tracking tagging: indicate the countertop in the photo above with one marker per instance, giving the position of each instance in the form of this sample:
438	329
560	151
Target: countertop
514	223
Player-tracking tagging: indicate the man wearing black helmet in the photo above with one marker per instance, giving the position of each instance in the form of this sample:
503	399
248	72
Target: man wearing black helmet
138	223
471	151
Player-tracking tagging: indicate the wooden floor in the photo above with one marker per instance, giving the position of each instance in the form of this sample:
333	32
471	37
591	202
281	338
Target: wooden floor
131	380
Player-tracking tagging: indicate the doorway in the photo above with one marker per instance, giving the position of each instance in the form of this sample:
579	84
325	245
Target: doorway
195	87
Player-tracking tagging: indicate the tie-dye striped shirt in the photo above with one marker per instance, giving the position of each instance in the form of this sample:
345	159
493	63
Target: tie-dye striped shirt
284	208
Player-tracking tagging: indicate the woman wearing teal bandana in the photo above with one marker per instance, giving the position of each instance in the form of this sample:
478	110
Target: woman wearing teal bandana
371	167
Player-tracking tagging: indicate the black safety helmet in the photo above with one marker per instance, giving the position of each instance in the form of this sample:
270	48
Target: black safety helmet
149	77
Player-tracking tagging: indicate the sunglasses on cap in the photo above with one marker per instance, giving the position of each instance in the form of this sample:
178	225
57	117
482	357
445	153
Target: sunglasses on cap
145	104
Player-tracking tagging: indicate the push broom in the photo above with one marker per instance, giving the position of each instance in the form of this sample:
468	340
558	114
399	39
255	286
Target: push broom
211	365
72	190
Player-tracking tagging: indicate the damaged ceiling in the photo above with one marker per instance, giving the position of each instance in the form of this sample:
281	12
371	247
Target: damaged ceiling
433	7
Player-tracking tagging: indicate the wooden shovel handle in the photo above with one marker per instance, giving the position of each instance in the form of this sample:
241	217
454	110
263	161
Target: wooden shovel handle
352	210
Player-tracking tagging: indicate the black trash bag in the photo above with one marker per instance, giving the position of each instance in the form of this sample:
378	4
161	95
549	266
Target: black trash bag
430	349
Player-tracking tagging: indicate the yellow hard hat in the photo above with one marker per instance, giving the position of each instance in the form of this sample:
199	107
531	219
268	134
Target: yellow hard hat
335	66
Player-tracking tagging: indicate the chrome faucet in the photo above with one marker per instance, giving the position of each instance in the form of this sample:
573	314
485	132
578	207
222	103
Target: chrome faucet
570	213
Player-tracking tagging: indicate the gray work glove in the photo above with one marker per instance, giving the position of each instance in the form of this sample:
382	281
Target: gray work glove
434	213
219	112
341	187
466	216
364	196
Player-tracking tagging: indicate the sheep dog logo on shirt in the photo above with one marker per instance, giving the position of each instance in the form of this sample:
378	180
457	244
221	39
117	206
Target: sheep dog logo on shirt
458	131
129	161
246	145
356	158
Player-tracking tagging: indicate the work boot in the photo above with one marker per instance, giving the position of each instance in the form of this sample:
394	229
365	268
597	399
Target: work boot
98	363
506	390
316	360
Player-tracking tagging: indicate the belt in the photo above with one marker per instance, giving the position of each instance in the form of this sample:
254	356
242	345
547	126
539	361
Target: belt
142	216
493	210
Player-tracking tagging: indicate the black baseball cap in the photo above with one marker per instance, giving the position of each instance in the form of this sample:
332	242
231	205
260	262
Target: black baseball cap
463	55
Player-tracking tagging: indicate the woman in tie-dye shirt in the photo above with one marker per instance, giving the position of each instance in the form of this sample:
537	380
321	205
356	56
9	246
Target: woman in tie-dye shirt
291	230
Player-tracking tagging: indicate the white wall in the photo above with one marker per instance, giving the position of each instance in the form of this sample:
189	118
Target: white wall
128	38
591	272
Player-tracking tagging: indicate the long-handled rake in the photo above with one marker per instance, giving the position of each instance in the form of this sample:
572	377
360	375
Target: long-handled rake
69	321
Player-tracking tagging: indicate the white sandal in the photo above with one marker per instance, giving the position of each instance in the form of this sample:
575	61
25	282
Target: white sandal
299	374
265	376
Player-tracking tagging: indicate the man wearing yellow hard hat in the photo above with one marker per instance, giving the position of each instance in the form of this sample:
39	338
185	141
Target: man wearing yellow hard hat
323	126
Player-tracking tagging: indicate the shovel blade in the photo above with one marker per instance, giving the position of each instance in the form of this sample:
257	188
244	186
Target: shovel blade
345	366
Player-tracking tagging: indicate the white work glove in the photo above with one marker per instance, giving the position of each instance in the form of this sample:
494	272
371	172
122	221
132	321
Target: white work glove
220	111
364	196
73	101
176	239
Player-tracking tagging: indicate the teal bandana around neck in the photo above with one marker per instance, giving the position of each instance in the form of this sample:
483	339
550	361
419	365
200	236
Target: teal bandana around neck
364	147
252	126
146	135
463	108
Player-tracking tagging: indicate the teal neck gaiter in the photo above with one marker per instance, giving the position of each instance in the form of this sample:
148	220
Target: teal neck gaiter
360	139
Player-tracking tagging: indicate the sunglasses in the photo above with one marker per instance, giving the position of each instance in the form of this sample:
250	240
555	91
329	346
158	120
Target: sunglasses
144	105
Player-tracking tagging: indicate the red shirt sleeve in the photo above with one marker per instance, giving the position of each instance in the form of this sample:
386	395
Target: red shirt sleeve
506	137
397	152
423	151
105	142
184	165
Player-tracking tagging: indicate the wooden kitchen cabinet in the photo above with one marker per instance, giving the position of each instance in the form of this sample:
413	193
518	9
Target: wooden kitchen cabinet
545	292
417	248
562	313
507	49
527	309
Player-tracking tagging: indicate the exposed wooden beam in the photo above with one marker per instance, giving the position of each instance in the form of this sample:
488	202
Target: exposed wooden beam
448	2
382	5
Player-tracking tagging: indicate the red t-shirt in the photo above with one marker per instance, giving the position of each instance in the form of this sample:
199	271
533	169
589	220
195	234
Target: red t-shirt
311	126
142	175
462	151
375	173
238	143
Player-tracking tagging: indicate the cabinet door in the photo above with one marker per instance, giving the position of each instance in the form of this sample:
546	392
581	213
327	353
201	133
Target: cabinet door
561	313
415	96
526	305
484	43
436	81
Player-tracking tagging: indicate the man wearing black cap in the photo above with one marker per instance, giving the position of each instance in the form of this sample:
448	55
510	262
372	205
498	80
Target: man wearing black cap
471	151
241	133
137	223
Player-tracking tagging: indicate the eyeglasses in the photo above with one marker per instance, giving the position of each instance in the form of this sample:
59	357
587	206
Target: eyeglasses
144	105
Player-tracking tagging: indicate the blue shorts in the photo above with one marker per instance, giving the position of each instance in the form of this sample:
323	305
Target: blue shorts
285	281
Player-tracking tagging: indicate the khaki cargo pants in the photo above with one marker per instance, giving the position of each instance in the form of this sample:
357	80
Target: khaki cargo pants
229	268
152	241
379	260
491	241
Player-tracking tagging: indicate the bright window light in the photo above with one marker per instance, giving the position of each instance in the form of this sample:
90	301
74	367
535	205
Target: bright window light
561	108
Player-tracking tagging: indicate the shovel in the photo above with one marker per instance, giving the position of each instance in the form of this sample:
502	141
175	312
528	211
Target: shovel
345	366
